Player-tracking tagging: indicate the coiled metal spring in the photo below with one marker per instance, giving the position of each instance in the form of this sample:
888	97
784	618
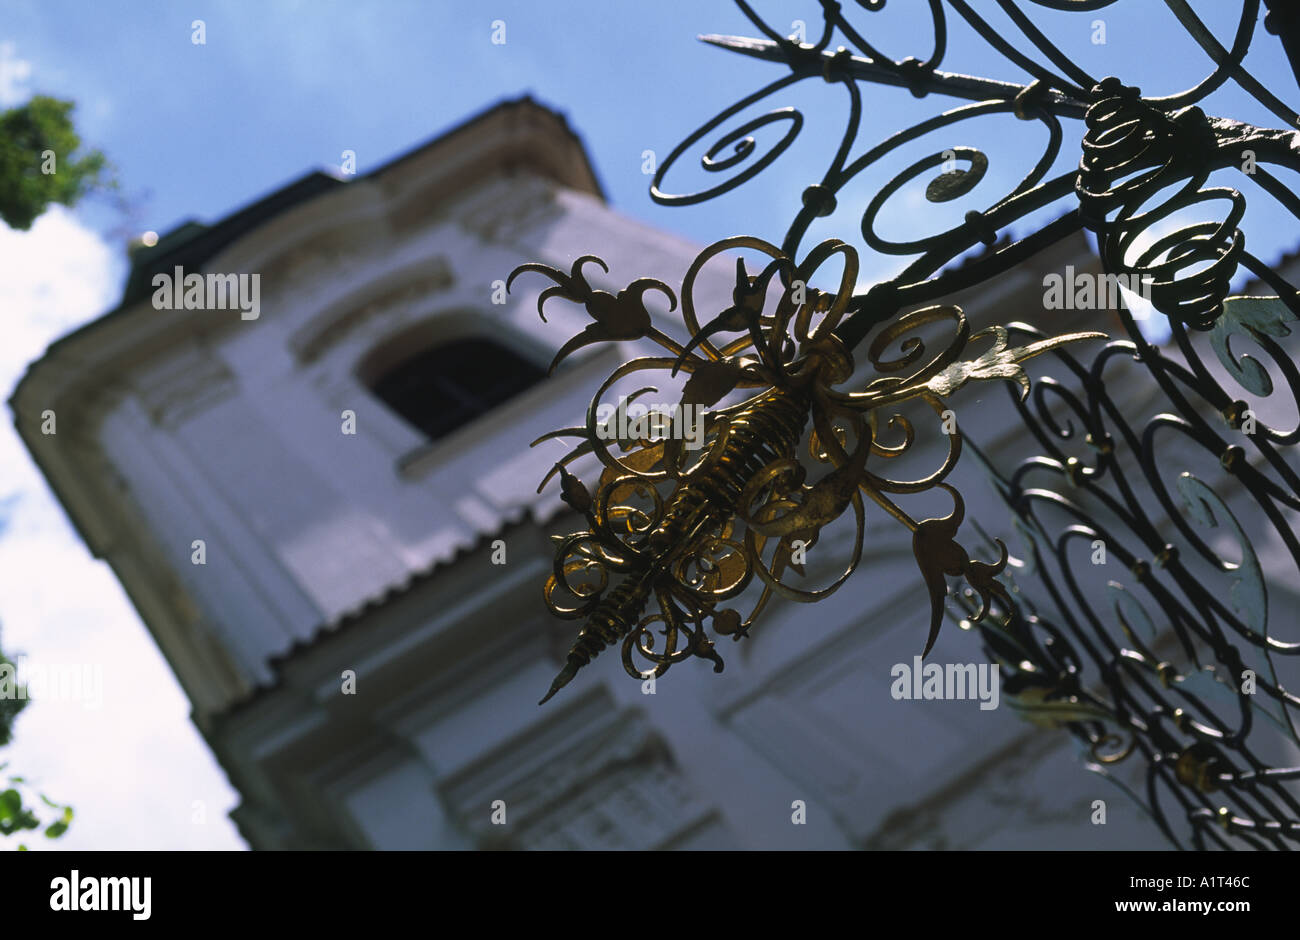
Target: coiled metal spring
766	430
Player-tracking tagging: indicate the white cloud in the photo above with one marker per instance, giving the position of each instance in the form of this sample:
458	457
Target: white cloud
14	73
133	768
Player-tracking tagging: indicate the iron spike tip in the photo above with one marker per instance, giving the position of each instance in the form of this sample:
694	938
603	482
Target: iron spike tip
566	675
758	48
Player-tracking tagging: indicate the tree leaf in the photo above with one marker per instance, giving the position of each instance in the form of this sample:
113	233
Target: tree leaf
11	804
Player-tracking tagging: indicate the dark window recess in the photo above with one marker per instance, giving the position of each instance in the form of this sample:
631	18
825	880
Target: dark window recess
446	387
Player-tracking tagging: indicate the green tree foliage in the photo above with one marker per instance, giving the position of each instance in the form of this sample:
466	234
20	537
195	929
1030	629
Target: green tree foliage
15	815
39	164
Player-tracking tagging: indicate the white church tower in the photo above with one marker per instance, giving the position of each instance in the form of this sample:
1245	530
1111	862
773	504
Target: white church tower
310	507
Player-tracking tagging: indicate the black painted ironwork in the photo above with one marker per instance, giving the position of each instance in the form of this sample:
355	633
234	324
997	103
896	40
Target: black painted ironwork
1174	663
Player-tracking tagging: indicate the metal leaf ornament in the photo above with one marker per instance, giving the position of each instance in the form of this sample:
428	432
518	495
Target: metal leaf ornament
672	538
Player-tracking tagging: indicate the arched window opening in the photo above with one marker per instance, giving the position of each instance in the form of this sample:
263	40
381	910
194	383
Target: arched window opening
446	387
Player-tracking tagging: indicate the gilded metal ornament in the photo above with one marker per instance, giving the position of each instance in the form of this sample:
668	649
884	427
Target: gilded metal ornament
691	534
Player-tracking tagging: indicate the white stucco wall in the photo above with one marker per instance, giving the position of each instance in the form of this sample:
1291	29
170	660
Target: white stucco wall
305	526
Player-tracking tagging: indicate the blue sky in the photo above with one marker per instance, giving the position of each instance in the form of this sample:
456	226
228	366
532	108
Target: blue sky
280	88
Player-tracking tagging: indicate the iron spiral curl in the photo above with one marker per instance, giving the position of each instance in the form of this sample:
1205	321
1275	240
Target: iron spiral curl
1141	167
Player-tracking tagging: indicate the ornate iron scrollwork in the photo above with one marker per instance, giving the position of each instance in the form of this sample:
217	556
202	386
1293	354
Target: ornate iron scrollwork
1179	665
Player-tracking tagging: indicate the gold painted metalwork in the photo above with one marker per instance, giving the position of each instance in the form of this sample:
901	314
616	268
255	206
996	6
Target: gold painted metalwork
1197	766
741	508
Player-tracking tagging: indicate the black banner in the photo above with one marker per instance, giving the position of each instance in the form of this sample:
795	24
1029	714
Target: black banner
239	890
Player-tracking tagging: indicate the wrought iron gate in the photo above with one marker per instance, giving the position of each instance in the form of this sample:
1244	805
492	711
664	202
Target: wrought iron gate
1175	663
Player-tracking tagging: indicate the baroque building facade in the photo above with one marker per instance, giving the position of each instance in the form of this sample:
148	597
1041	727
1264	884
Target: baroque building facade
362	664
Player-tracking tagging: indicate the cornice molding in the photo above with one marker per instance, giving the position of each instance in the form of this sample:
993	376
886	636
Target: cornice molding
185	385
344	316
